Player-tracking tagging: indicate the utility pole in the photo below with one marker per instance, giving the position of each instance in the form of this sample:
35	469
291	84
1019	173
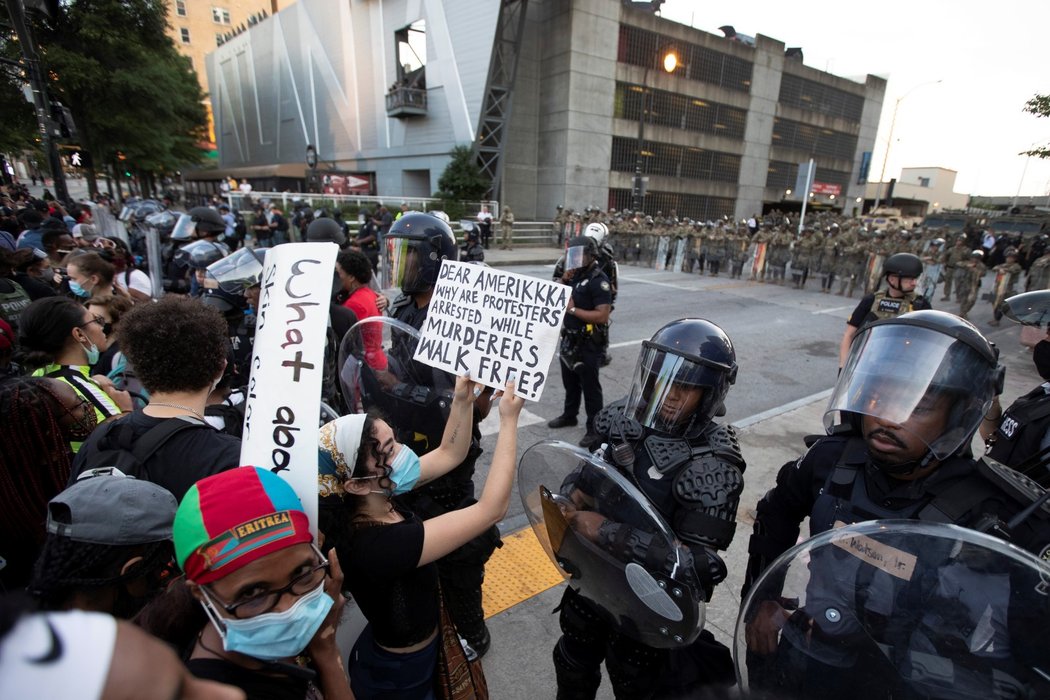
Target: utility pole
41	102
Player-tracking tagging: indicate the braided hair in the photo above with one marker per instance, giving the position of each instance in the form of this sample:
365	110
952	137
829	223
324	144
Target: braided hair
35	465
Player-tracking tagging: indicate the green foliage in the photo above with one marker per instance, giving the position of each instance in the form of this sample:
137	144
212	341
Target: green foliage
1039	105
462	179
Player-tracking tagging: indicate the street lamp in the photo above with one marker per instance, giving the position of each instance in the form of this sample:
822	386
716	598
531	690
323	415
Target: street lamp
889	141
669	61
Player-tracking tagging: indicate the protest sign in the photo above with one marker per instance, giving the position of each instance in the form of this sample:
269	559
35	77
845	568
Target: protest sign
491	324
284	392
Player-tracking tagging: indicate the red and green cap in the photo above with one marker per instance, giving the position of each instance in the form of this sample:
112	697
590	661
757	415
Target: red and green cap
231	519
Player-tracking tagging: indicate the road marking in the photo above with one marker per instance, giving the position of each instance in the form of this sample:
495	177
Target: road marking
784	408
627	343
490	426
834	310
641	280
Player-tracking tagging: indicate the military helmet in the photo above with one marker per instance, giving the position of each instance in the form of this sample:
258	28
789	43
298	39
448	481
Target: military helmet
903	265
207	219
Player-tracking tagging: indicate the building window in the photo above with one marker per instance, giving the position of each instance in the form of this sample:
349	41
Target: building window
220	16
180	8
782	176
219	41
674	161
694	206
411	45
814	140
679	111
816	97
924	182
185	35
639	47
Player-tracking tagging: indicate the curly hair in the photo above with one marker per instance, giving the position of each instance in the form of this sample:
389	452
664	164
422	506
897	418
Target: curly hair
356	265
176	344
117	306
45	326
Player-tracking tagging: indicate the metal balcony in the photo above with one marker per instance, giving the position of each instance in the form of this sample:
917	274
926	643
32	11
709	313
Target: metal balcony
402	102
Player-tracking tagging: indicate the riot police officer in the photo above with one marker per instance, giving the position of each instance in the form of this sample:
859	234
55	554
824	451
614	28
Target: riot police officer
416	245
664	439
899	424
581	347
902	272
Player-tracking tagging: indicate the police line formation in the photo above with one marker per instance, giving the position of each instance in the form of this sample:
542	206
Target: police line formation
141	559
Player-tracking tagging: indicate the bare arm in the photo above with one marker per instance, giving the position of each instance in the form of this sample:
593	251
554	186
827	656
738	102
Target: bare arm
456	439
599	315
450	531
847	340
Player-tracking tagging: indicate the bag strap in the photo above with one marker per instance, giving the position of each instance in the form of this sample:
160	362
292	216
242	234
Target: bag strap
156	437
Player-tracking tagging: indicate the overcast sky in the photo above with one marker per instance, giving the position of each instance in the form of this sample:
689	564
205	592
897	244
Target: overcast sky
991	57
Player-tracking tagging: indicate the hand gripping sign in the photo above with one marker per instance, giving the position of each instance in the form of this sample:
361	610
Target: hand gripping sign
492	325
283	406
611	544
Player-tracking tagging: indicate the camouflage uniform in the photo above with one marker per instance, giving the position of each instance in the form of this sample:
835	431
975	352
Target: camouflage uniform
778	255
967	277
1039	274
716	249
829	258
1012	270
956	256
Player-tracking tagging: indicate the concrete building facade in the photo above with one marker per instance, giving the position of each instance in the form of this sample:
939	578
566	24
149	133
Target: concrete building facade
721	135
920	191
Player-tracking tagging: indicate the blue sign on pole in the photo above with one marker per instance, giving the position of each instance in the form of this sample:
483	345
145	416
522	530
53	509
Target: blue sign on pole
865	166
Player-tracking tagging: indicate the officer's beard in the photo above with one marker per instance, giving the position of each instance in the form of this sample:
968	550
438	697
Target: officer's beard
905	470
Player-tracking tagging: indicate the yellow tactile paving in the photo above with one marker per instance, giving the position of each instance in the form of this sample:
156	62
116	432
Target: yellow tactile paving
517	571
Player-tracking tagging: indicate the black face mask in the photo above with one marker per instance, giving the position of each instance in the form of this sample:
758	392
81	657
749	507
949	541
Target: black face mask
1041	358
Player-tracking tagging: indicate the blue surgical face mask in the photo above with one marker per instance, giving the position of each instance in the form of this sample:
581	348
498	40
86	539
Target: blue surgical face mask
92	354
75	287
404	470
275	635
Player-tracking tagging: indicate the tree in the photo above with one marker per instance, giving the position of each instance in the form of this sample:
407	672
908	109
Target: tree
1039	105
462	179
130	92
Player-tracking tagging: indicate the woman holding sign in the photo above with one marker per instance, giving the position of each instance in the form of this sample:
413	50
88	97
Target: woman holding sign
390	551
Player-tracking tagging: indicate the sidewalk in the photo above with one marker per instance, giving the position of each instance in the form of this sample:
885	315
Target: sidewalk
537	255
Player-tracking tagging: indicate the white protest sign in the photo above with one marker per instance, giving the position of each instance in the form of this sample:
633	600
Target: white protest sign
284	392
492	324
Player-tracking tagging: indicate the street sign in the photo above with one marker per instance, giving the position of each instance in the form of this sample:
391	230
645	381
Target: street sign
825	188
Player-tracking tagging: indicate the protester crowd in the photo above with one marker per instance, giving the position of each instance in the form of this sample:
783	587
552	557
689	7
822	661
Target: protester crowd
141	558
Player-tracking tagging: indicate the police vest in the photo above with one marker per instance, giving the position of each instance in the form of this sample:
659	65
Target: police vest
13	301
845	497
886	306
1022	429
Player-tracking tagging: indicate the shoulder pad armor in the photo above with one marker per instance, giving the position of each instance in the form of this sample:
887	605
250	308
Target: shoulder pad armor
723	441
667	453
400	302
1015	484
709	488
613	425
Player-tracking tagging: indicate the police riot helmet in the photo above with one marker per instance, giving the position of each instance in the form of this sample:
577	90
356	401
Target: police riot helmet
596	231
683	356
415	247
441	215
903	265
325	230
163	222
239	271
230	305
200	254
930	373
937	242
578	247
207	219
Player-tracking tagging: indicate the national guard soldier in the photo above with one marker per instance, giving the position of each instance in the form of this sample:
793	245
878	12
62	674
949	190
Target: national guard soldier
761	254
1039	273
902	273
716	248
932	266
1007	275
736	249
968	276
664	440
416	245
957	255
778	256
580	348
832	249
852	262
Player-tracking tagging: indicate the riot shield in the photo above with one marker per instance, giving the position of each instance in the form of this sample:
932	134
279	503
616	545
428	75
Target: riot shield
376	371
1029	309
611	544
897	609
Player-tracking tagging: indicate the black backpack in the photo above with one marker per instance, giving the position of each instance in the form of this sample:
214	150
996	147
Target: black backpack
240	227
118	448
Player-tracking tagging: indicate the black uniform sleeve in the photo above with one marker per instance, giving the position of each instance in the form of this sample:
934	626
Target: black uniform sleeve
921	303
600	290
861	312
780	512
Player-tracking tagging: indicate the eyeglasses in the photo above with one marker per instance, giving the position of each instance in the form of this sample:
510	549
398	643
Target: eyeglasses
265	602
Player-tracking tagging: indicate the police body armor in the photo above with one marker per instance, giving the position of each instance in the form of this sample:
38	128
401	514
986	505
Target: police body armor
1021	431
886	306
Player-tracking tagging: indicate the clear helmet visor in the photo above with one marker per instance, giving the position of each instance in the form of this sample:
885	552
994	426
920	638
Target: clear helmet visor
574	257
402	265
184	229
921	382
236	272
670	393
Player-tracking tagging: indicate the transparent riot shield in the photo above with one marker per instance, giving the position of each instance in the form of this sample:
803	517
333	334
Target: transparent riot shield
611	544
1029	309
897	609
376	371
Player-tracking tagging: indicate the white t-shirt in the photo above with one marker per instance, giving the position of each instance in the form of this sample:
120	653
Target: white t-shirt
138	280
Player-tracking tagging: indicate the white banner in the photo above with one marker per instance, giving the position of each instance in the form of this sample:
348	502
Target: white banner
284	392
492	324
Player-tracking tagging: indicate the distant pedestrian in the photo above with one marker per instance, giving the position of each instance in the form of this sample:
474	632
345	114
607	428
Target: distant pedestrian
506	229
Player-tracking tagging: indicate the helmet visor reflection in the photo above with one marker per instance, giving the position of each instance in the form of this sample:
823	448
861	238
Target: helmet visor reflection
402	265
236	272
665	393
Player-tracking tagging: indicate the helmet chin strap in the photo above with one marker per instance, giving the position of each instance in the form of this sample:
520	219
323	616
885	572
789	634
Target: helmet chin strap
905	469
